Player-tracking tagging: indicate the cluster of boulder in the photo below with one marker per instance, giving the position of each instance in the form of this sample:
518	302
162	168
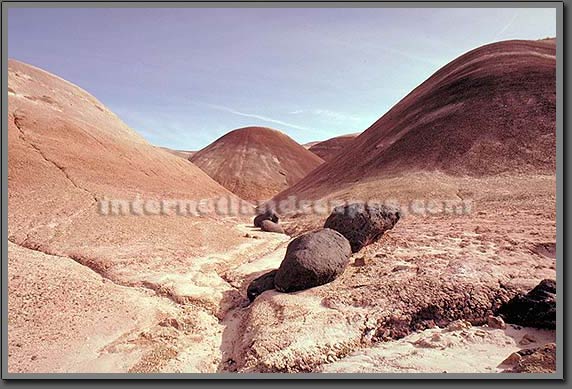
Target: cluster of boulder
320	256
269	222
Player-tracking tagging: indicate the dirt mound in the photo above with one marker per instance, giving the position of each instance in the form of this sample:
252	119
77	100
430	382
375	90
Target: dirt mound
328	149
490	111
256	163
68	155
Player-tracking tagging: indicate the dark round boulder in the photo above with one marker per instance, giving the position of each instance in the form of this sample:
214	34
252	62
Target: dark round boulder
536	309
362	224
313	259
270	226
261	284
267	215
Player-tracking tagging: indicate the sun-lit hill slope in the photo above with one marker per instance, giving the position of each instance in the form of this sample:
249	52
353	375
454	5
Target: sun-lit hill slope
255	163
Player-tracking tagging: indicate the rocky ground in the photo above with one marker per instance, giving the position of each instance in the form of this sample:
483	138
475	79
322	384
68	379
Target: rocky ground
380	315
386	313
457	349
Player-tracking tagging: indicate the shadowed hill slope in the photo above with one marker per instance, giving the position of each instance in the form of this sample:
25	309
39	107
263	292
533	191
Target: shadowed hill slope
490	111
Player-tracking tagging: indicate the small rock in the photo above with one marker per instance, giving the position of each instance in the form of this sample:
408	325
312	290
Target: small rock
171	322
146	335
424	343
496	322
267	215
269	226
511	360
527	339
458	325
359	261
480	333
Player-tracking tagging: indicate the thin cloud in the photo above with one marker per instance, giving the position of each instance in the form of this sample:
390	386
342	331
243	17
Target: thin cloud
411	56
506	27
327	114
255	116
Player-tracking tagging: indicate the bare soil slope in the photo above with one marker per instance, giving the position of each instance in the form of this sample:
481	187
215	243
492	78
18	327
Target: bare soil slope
328	149
490	111
66	153
256	163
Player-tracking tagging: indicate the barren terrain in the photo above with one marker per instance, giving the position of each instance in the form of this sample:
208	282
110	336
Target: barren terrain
153	292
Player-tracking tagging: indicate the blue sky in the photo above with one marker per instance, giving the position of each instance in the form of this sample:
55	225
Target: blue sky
184	77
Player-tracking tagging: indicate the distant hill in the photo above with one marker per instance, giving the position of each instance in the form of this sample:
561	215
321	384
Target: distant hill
328	149
179	153
255	163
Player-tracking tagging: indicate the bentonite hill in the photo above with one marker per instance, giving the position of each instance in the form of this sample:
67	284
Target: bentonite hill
255	163
490	111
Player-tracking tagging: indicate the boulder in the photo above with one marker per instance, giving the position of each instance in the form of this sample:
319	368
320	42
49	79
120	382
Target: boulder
267	215
313	259
270	226
261	284
362	224
536	309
